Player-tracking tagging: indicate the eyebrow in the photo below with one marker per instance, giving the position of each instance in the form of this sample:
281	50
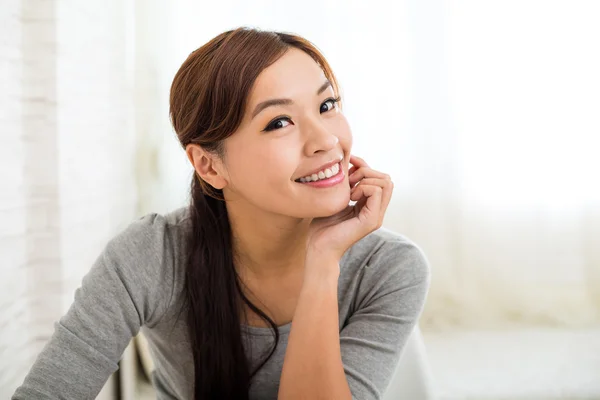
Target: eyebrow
284	102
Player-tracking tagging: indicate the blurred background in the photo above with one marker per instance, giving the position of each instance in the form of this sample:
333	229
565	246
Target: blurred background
485	114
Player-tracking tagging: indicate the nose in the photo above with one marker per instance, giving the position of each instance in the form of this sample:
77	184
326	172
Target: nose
319	139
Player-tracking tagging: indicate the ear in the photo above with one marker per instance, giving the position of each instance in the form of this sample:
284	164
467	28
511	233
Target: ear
207	165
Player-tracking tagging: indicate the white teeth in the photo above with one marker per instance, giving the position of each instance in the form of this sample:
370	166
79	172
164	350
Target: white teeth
326	173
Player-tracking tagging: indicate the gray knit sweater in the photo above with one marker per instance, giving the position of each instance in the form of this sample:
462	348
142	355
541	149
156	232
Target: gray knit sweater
135	284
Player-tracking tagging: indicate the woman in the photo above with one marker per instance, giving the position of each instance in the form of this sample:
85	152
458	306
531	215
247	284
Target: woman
269	285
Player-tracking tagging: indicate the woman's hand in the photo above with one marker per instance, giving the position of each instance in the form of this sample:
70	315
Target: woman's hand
330	237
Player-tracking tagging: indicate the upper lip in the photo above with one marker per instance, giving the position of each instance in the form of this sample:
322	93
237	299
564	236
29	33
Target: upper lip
322	167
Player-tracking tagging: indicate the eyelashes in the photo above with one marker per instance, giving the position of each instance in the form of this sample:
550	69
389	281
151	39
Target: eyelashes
283	121
333	100
277	124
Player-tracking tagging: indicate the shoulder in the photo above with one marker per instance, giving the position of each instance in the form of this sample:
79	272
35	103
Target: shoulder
151	235
387	255
148	255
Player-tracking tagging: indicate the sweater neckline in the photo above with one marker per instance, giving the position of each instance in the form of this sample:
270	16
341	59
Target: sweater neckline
264	331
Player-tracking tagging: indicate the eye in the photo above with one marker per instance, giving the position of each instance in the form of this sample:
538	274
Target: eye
332	104
277	124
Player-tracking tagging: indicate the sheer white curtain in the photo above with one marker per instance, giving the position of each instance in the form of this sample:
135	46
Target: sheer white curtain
485	115
523	93
67	157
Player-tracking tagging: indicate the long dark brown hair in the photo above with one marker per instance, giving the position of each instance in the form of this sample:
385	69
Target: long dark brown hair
207	103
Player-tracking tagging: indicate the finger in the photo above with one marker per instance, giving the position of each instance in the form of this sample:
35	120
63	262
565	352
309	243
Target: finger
352	170
385	198
381	182
366	172
384	184
387	193
387	187
370	213
357	161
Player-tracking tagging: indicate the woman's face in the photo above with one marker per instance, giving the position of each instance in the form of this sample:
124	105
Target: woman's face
292	128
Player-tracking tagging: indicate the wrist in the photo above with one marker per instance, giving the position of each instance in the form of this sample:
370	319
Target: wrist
321	268
315	255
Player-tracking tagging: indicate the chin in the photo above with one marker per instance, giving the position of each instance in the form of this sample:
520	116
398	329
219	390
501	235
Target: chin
332	205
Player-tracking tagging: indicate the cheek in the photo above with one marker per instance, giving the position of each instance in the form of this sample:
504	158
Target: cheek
243	165
260	165
341	129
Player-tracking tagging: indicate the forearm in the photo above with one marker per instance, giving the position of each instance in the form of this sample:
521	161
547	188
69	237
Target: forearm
312	367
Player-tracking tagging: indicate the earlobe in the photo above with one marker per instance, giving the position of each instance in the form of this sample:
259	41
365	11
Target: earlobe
205	165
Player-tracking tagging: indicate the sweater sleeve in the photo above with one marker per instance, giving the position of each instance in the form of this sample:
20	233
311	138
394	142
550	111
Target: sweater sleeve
126	287
388	305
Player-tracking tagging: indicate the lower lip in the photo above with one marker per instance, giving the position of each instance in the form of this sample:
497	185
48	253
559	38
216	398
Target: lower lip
329	182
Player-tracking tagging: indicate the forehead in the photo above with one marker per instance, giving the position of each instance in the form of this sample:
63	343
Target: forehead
294	74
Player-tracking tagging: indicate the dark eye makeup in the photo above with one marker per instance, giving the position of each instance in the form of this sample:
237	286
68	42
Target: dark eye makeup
278	122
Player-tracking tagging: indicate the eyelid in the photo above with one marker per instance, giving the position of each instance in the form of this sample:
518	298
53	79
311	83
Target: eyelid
279	117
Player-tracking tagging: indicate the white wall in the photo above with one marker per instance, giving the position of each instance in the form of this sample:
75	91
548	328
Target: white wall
67	160
162	170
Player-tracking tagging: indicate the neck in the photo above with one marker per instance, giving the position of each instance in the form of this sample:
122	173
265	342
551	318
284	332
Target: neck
269	246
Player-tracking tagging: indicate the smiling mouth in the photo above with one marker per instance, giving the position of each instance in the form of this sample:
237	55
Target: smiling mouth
321	175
